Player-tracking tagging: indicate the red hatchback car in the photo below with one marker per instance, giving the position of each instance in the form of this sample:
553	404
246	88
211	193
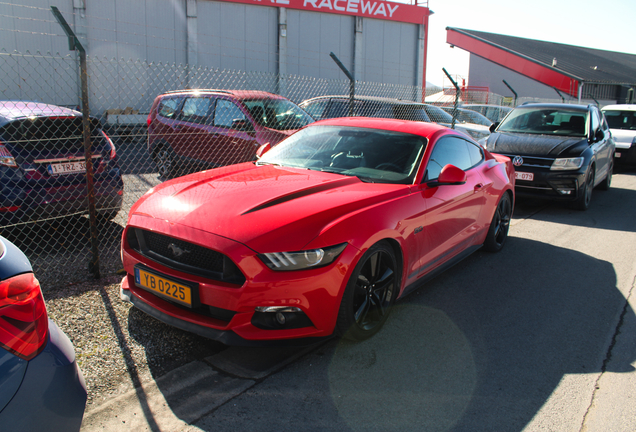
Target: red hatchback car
189	130
318	237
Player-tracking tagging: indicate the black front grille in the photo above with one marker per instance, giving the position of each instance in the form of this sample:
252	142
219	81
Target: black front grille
533	161
183	252
184	256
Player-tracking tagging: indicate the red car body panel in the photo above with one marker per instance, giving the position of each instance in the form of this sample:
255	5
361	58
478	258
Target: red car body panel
244	210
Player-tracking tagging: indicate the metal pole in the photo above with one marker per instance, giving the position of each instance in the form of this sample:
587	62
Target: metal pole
73	44
456	98
557	90
352	82
514	102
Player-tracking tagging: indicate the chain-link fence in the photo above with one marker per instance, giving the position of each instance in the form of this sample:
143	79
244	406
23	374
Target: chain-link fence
42	169
43	166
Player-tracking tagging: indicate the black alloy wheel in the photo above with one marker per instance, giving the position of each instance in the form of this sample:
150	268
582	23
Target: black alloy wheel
585	191
370	294
499	226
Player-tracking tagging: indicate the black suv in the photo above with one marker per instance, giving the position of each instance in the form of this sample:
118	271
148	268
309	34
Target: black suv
560	151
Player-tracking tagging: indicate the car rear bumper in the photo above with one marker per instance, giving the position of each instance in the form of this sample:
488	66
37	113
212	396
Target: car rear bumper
52	395
37	203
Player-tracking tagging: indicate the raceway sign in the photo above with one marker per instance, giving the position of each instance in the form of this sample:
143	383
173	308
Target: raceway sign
378	9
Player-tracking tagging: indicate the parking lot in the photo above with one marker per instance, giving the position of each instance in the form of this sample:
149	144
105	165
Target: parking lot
538	337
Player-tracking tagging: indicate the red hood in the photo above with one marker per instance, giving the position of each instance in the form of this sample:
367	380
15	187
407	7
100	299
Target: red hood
267	208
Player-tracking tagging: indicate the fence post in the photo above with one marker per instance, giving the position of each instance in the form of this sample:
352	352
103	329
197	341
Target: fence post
352	82
73	44
514	102
457	92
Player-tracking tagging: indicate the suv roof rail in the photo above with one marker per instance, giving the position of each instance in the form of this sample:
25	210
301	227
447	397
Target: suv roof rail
198	89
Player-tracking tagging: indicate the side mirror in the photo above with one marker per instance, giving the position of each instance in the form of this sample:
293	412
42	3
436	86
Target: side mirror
450	175
262	150
595	136
242	125
600	135
493	127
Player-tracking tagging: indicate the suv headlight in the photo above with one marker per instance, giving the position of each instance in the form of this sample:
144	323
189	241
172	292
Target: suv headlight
567	164
300	260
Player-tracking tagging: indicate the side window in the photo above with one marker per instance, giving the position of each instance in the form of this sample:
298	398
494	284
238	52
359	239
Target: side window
226	112
338	108
317	109
476	153
196	110
168	107
448	150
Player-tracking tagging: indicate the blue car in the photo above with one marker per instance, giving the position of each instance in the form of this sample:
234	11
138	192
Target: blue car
42	164
41	385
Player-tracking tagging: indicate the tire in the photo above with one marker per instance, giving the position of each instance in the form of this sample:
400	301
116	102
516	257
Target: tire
370	294
607	181
585	192
499	226
165	161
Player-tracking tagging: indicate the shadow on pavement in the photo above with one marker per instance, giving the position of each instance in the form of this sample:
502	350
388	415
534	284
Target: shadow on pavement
481	348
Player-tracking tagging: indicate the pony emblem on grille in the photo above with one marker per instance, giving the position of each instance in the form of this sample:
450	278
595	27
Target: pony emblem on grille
176	250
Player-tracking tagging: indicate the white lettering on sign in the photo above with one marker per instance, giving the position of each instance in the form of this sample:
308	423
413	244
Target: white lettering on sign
368	7
380	10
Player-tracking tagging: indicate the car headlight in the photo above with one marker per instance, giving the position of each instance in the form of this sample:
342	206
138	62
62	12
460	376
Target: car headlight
567	164
300	260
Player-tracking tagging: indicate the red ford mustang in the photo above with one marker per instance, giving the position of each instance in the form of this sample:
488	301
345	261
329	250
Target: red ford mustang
320	236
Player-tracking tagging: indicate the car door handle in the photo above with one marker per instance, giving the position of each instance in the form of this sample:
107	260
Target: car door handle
479	187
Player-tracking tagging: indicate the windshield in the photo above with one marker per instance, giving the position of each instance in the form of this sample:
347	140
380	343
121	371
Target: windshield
621	119
373	155
278	114
546	121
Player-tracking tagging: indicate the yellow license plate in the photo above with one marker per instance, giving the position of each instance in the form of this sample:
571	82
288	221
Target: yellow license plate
164	287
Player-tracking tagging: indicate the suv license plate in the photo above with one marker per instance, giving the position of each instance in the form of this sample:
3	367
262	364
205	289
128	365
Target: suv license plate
524	176
164	287
67	168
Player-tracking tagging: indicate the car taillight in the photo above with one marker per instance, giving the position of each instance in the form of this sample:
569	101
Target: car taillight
113	152
24	323
6	158
149	119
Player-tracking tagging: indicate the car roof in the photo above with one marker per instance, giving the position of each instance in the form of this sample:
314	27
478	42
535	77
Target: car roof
572	107
13	110
394	125
620	107
486	105
367	98
240	94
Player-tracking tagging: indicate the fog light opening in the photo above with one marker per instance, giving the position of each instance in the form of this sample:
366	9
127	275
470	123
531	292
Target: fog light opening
564	191
280	318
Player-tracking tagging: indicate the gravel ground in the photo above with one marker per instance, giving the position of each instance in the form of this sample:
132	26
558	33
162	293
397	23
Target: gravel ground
118	346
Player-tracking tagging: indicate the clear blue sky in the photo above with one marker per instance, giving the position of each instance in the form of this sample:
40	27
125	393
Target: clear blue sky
607	25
